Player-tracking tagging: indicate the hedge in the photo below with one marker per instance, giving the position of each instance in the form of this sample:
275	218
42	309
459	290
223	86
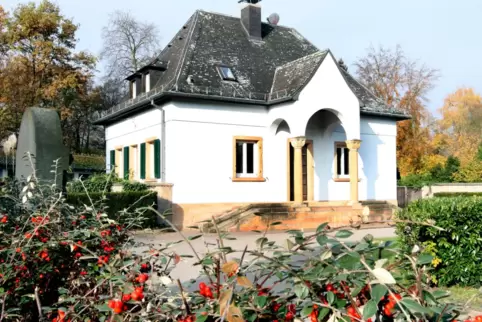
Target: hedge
457	194
458	247
117	202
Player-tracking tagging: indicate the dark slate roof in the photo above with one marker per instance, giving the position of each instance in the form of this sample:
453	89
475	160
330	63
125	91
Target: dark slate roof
268	72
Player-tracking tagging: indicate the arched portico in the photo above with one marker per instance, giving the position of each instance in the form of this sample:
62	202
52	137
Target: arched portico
333	140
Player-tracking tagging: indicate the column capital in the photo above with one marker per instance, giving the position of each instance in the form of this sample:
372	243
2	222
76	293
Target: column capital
298	142
353	144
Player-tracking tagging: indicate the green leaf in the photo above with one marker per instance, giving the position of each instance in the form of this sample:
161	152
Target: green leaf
103	308
307	310
378	291
321	227
322	240
370	309
330	297
414	306
276	223
424	259
343	234
439	294
361	247
194	237
322	313
201	317
261	241
301	291
261	301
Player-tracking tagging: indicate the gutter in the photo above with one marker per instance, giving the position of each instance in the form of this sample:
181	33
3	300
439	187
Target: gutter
113	117
163	140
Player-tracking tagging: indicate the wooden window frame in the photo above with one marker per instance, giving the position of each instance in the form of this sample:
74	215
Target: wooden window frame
133	161
120	160
259	175
344	177
150	156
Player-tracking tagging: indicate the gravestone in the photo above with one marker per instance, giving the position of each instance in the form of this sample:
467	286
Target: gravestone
41	135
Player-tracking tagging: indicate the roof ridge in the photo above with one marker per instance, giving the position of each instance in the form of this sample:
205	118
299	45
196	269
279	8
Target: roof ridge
186	46
239	18
315	54
319	52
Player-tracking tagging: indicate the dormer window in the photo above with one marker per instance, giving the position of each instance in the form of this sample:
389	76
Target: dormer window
148	82
134	89
226	73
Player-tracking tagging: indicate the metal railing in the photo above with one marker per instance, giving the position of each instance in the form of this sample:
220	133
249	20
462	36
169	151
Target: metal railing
226	92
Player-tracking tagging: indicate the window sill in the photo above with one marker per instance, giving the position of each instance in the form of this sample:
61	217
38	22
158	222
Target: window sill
343	179
248	179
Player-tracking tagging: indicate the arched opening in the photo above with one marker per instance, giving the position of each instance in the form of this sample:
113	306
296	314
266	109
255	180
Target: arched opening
280	127
330	156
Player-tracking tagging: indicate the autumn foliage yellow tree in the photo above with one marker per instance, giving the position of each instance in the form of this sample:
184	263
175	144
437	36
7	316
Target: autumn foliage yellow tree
402	83
38	63
459	130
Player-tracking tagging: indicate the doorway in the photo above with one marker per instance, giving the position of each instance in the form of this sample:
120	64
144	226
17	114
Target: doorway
308	171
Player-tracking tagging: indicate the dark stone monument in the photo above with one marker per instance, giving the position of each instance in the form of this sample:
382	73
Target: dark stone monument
41	136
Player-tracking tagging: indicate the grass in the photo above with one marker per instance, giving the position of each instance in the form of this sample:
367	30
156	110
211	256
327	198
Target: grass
461	295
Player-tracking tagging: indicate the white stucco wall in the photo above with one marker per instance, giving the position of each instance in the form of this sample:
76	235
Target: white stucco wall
326	90
378	159
199	153
133	130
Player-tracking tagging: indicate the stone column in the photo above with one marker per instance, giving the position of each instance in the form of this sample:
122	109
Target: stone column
353	145
298	143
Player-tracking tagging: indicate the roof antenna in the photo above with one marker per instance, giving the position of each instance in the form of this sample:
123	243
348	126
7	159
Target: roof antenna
273	19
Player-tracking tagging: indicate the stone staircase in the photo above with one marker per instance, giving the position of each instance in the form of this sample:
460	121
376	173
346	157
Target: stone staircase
307	215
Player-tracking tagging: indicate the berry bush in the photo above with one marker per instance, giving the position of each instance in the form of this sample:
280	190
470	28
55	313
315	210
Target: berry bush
65	263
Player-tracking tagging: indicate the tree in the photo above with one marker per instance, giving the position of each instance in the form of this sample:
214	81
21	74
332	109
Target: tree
129	44
459	130
401	83
38	63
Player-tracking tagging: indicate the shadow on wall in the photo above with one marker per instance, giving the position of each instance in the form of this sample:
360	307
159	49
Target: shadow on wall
369	154
320	128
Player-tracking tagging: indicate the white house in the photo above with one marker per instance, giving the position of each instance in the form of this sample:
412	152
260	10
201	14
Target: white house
236	111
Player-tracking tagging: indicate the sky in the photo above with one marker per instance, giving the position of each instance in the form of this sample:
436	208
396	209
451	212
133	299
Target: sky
443	34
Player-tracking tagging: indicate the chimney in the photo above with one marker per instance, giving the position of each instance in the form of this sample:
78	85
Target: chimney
251	20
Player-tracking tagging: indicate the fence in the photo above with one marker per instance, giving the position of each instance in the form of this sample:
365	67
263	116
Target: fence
405	195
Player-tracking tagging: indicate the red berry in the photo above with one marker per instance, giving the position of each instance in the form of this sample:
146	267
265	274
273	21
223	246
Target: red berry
126	298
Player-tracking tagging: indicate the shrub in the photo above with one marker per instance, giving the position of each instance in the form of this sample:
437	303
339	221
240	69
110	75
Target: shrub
96	183
457	194
72	264
133	186
120	206
457	247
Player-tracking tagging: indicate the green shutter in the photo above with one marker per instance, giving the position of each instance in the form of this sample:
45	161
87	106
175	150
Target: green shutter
157	159
126	163
143	160
112	160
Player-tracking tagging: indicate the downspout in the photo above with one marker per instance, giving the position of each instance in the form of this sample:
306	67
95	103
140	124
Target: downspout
163	140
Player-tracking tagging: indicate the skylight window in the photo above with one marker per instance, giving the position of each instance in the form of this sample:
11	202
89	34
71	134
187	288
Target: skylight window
226	73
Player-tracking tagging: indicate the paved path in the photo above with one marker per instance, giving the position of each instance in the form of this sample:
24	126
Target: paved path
186	271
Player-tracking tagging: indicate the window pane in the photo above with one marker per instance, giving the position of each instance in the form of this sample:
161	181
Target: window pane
239	157
346	158
250	157
227	73
338	161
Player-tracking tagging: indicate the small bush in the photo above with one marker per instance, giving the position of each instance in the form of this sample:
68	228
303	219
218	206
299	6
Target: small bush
457	194
96	183
118	202
458	247
133	186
